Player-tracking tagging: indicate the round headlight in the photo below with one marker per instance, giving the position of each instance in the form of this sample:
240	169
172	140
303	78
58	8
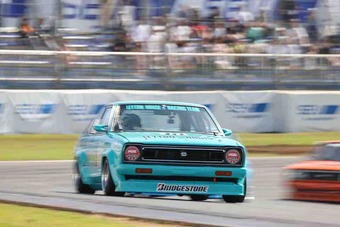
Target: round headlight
132	153
233	156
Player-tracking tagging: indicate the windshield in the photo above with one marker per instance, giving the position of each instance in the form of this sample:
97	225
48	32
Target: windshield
328	152
165	118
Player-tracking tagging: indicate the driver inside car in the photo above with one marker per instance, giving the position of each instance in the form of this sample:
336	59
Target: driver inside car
131	122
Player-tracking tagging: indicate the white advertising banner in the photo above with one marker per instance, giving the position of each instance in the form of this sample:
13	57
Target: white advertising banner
84	15
4	113
248	111
34	111
311	111
79	107
69	111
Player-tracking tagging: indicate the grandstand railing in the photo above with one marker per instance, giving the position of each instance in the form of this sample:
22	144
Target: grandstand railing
168	71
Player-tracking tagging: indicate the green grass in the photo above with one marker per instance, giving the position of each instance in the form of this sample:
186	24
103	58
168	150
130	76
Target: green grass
23	216
60	147
37	147
265	139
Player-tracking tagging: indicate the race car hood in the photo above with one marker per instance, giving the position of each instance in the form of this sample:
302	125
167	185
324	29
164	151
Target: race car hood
315	165
166	138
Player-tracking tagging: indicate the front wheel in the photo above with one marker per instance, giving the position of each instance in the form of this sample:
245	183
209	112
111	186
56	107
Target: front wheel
236	198
78	182
107	183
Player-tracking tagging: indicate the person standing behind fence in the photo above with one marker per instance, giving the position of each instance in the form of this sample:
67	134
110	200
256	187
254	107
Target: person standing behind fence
25	28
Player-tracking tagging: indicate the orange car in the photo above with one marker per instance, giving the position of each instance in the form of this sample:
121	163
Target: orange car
317	179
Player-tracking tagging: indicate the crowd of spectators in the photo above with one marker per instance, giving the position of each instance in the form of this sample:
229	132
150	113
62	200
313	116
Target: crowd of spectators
188	32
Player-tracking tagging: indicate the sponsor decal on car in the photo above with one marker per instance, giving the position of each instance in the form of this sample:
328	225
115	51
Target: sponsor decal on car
162	107
162	187
233	156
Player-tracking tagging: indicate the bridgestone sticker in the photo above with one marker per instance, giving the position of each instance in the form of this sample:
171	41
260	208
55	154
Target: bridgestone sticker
161	187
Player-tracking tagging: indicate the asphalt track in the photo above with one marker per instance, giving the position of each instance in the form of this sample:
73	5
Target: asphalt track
49	183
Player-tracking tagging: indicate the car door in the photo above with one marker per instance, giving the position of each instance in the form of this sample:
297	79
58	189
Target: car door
84	146
98	145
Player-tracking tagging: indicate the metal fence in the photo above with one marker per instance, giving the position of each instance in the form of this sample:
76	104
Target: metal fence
23	69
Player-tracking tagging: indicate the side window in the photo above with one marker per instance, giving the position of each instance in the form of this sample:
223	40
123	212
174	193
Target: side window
106	116
95	121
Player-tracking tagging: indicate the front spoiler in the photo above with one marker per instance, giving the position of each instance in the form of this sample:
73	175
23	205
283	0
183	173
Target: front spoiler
175	186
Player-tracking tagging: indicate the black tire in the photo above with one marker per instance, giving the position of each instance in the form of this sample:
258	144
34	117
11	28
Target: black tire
199	197
107	183
79	186
236	198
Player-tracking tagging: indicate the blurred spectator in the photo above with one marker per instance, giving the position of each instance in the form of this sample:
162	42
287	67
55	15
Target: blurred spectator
155	44
105	7
214	15
223	62
243	16
311	26
182	31
25	28
219	30
120	43
287	11
298	33
141	34
127	15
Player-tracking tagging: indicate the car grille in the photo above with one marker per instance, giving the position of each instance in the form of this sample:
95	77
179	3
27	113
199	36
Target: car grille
183	154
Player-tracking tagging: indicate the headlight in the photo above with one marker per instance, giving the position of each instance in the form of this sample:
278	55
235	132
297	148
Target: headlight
233	156
132	153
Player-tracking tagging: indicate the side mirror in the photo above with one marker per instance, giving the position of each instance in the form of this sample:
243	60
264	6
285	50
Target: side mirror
101	128
227	132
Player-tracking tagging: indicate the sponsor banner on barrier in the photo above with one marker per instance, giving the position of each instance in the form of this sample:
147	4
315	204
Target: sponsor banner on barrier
34	111
81	14
55	111
4	124
249	111
314	112
79	108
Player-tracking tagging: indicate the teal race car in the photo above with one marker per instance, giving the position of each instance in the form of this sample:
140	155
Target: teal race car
155	147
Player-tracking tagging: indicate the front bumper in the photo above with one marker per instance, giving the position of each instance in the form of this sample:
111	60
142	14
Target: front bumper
316	190
193	179
326	196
